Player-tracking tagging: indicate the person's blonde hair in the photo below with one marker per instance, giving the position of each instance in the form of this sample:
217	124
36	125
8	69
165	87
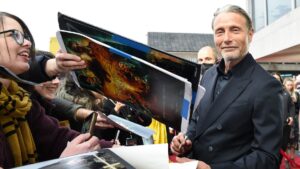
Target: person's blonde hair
292	92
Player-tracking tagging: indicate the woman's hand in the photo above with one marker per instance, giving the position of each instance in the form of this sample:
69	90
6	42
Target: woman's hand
81	144
62	63
118	106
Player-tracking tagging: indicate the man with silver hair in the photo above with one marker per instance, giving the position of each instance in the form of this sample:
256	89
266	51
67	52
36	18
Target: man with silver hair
238	123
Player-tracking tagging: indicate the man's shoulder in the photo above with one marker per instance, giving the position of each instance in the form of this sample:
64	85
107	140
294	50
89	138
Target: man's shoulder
261	73
264	79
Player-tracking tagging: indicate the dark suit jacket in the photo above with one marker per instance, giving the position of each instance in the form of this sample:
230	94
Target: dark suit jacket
242	127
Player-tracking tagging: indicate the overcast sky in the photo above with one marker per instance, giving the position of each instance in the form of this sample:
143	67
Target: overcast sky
129	18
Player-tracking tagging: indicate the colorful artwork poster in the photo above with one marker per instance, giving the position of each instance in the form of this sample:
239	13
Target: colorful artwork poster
121	77
174	64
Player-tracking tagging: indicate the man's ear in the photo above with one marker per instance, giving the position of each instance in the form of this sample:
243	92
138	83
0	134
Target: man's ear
250	35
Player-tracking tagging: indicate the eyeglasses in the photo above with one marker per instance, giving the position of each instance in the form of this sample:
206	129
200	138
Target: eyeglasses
17	35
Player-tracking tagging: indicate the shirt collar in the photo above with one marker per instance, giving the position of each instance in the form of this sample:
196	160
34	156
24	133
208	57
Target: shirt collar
221	67
221	70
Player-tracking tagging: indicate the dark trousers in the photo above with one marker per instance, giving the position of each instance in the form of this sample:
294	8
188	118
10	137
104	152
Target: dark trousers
286	136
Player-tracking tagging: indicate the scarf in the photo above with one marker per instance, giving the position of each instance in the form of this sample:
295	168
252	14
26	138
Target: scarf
14	105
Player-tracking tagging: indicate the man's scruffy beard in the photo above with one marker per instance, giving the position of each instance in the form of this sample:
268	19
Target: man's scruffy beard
230	58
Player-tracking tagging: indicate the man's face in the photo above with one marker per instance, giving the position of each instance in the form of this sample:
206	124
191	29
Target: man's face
206	56
231	35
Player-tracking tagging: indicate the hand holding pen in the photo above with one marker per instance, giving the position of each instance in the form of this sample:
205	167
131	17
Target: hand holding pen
183	143
180	144
116	142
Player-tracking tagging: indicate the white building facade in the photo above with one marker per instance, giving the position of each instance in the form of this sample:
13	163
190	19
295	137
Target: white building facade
276	42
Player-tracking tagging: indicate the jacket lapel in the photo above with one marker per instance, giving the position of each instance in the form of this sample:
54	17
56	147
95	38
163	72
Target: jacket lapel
209	87
229	94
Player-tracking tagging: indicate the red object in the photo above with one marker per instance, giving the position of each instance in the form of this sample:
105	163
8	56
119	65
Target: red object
172	158
294	163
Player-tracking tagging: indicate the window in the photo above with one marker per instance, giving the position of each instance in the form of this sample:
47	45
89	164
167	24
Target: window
277	8
259	14
297	3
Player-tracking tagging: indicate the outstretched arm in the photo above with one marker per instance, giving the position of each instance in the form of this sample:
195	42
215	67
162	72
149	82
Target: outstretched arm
44	68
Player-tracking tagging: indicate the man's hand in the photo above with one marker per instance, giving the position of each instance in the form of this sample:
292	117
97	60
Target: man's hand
116	143
81	144
290	121
180	145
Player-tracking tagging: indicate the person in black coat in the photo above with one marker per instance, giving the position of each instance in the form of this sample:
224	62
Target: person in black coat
238	123
288	114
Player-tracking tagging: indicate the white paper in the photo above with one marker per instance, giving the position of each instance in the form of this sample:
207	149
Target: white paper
187	165
154	156
131	126
185	117
200	93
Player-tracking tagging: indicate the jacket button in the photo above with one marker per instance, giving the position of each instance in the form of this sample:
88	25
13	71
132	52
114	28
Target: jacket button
210	148
219	126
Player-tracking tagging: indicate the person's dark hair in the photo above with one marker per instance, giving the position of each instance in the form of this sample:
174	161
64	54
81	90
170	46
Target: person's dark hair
233	9
24	27
278	74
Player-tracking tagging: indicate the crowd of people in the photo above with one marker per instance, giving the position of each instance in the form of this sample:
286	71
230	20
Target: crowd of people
25	127
243	120
28	116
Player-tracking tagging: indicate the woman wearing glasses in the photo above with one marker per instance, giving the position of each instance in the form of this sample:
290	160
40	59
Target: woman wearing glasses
27	135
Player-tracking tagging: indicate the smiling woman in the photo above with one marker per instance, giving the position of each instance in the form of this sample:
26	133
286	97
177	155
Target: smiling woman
14	44
24	127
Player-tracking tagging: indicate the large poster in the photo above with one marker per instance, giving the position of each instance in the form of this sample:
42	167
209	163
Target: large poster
128	79
174	64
